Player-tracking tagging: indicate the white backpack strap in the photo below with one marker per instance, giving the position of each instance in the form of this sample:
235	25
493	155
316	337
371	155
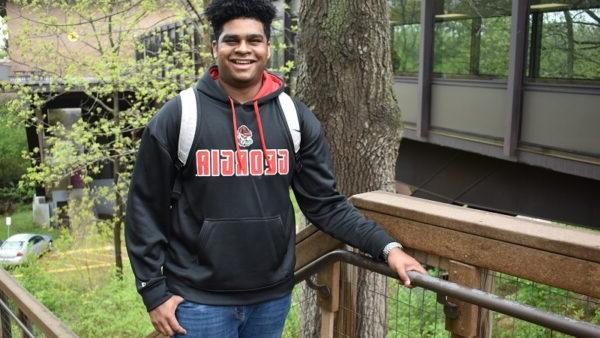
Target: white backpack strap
291	116
187	129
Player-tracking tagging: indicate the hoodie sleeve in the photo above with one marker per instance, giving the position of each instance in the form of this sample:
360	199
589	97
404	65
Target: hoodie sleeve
148	203
315	189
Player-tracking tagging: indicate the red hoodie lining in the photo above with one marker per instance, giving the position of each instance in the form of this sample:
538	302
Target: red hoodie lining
270	84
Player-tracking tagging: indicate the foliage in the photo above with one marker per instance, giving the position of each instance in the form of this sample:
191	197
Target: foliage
292	322
11	196
543	297
112	308
12	144
22	222
77	282
414	312
570	44
95	56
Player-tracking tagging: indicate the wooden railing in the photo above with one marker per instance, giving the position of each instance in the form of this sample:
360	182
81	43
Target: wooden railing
31	315
463	242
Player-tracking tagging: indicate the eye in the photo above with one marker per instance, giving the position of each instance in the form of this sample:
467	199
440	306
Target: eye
255	39
229	41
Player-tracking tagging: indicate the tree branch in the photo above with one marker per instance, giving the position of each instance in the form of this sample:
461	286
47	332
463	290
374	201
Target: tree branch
592	15
97	100
74	24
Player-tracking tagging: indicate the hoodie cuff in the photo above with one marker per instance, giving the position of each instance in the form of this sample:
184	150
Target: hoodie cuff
379	244
155	295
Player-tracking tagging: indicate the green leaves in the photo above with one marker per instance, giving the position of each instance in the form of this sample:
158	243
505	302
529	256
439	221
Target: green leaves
87	50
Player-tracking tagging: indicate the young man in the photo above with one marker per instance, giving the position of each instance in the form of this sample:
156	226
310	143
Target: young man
218	261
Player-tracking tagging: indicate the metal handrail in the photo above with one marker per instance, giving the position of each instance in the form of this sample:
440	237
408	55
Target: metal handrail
23	327
474	296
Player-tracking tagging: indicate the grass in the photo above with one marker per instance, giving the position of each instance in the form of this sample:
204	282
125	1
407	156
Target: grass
77	282
22	222
91	302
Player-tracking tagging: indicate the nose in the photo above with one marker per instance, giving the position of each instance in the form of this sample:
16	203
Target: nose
242	47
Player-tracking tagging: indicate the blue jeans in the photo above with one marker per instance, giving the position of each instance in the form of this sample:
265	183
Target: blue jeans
264	320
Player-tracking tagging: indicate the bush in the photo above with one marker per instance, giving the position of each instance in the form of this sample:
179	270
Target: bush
110	309
13	142
11	196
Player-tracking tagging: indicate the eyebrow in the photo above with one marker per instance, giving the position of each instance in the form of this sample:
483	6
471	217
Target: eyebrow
248	37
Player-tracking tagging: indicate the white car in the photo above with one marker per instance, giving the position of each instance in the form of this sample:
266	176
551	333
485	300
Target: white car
17	248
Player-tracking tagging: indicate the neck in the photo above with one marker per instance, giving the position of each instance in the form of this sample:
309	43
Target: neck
241	94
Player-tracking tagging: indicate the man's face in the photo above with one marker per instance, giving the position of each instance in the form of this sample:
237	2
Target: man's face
242	52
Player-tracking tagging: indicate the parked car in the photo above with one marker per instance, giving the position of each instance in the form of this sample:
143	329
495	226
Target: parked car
17	248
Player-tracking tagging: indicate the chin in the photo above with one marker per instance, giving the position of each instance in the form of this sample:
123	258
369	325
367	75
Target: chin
246	79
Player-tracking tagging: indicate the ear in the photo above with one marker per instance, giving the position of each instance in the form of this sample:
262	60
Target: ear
215	49
269	49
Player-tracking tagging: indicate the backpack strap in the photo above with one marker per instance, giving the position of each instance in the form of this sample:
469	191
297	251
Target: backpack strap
187	128
291	116
189	120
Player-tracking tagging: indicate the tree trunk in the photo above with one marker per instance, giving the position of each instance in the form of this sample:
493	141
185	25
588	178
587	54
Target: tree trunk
345	76
570	44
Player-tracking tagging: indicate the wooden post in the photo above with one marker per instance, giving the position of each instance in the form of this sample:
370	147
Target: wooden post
488	284
345	324
468	315
5	319
329	276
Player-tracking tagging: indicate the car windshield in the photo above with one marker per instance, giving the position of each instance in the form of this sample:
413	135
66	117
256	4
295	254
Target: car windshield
12	245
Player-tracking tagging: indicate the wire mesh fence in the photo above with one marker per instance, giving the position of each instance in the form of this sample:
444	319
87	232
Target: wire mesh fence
14	323
544	297
416	312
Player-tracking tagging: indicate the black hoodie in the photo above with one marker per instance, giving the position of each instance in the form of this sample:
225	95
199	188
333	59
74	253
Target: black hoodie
229	236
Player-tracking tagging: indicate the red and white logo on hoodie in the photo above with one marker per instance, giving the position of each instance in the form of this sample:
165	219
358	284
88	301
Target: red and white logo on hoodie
245	136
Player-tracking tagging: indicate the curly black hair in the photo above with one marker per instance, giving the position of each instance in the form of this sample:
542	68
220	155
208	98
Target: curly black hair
219	12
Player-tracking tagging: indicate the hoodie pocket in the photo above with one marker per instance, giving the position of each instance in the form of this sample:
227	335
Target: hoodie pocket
242	254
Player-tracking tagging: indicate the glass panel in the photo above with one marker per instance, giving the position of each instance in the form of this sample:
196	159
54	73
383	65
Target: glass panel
472	38
406	36
10	245
564	40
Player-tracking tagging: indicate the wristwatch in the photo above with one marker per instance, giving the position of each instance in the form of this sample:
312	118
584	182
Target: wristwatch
389	247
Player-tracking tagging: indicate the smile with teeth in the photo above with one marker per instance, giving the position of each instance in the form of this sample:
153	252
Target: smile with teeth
242	62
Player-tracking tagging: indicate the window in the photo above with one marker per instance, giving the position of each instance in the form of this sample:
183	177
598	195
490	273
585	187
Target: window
472	38
564	40
406	36
3	38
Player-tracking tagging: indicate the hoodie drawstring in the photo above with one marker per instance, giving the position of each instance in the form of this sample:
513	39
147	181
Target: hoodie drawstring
260	132
235	131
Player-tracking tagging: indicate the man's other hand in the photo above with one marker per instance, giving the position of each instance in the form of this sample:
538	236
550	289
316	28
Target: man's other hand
401	262
163	317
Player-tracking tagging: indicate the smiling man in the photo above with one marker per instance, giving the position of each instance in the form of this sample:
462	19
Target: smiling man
211	237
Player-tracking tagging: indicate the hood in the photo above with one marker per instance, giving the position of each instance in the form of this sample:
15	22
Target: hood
271	87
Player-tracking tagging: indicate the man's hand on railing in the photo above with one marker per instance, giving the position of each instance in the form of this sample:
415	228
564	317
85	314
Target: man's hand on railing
401	262
163	317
